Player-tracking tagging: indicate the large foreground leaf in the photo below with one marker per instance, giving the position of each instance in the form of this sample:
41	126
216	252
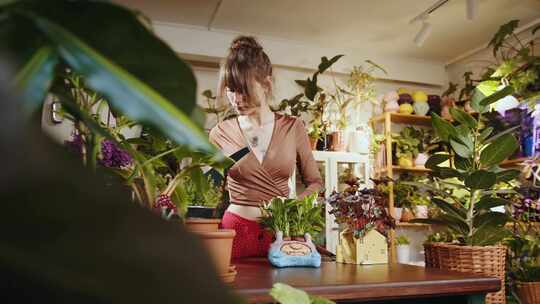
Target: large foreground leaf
124	91
498	150
35	78
116	33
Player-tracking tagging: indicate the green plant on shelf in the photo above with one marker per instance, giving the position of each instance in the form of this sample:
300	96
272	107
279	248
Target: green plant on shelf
407	145
524	253
293	217
402	240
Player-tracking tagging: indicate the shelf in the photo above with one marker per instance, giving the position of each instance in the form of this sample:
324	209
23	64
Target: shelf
416	225
513	162
407	119
410	169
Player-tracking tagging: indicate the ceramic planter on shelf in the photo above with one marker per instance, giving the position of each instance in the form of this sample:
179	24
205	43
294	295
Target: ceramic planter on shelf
403	254
421	108
391	106
397	213
405	161
313	143
406	108
337	141
406	215
421	211
421	159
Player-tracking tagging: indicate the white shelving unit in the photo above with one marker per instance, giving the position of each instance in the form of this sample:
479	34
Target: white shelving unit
333	162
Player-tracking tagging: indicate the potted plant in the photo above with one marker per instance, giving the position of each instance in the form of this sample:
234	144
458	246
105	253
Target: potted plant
407	143
365	221
293	217
294	222
524	261
403	249
428	143
478	230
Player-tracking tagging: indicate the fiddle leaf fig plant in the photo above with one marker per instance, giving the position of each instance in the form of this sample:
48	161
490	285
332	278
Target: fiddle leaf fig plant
477	155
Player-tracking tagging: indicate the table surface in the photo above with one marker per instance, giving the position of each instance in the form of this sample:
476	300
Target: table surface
338	281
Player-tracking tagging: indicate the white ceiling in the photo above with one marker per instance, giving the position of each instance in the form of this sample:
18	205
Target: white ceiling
382	25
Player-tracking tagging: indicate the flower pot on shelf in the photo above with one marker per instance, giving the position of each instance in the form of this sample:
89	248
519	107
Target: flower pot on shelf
405	161
421	211
421	159
391	106
313	143
397	213
528	292
484	260
406	215
403	254
336	141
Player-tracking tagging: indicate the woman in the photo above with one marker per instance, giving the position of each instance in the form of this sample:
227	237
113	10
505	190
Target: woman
270	145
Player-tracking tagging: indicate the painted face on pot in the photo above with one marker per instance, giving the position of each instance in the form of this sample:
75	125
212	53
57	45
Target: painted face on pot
295	249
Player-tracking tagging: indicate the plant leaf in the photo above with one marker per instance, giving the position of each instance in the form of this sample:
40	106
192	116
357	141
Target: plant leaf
377	66
504	31
286	294
490	218
489	235
127	93
326	64
480	179
459	212
508	90
487	202
443	128
485	133
507	175
460	149
435	160
463	117
167	74
499	150
35	78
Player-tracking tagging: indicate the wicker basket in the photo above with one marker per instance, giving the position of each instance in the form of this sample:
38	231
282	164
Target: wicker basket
529	292
485	260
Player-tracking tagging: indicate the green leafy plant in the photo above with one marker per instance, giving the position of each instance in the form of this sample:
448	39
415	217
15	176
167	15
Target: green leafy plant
477	155
293	217
524	253
408	142
81	64
517	67
206	195
285	294
223	112
402	240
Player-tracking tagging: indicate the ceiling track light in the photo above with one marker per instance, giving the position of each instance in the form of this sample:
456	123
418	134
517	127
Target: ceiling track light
423	34
472	9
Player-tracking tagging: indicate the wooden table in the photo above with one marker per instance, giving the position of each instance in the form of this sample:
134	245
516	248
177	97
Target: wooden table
388	283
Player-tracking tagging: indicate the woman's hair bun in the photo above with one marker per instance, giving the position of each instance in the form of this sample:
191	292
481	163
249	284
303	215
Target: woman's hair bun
245	42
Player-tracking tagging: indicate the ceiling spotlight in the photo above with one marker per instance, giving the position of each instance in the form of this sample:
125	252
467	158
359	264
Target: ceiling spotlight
472	9
423	33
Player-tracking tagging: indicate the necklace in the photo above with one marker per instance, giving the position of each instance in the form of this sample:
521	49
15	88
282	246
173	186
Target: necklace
254	140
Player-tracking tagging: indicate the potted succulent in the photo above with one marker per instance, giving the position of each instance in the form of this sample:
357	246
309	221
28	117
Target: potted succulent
365	222
407	146
403	249
477	229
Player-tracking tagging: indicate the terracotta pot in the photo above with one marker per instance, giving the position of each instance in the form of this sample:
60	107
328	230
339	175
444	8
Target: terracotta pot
529	292
336	141
200	224
219	246
406	215
313	143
